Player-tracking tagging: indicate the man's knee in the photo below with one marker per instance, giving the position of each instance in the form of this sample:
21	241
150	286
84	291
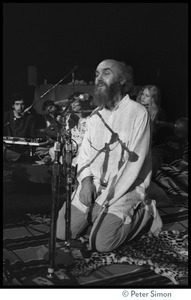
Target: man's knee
78	222
108	236
102	245
60	230
60	234
60	226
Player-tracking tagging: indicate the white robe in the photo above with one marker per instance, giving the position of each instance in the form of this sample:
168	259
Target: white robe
117	154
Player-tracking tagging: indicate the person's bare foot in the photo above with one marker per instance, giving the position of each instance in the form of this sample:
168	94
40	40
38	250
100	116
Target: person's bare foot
157	224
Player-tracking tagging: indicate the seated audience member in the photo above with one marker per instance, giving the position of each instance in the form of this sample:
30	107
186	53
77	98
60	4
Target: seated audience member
76	122
51	111
173	177
18	124
176	140
51	126
51	117
114	167
149	96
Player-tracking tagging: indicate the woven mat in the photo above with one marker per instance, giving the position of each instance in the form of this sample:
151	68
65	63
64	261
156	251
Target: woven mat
26	244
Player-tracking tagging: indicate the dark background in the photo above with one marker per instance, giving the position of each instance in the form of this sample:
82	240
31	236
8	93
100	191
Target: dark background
54	37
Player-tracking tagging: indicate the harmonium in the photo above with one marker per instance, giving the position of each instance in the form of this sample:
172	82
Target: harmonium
36	142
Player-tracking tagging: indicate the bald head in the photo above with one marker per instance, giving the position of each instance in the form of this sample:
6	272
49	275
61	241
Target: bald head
114	71
112	65
111	82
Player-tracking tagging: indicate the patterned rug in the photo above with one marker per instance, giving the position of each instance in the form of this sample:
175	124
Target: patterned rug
167	255
26	244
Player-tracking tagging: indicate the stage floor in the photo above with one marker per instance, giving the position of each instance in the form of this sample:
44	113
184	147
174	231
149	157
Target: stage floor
26	236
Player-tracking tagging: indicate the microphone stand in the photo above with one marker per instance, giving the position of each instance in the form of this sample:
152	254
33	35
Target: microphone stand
68	177
55	200
62	145
53	87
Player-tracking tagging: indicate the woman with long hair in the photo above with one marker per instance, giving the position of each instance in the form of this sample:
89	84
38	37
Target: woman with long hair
150	97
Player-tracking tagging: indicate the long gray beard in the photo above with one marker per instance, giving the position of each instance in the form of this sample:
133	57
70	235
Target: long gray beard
107	97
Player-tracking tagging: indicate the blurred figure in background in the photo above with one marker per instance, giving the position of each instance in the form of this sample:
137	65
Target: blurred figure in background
17	123
51	113
76	119
150	97
20	124
50	126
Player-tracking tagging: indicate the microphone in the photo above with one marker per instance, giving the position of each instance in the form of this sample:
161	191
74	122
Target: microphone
27	110
180	127
83	97
167	124
177	124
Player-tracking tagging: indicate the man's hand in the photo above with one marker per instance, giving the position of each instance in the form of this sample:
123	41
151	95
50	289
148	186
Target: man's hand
87	194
